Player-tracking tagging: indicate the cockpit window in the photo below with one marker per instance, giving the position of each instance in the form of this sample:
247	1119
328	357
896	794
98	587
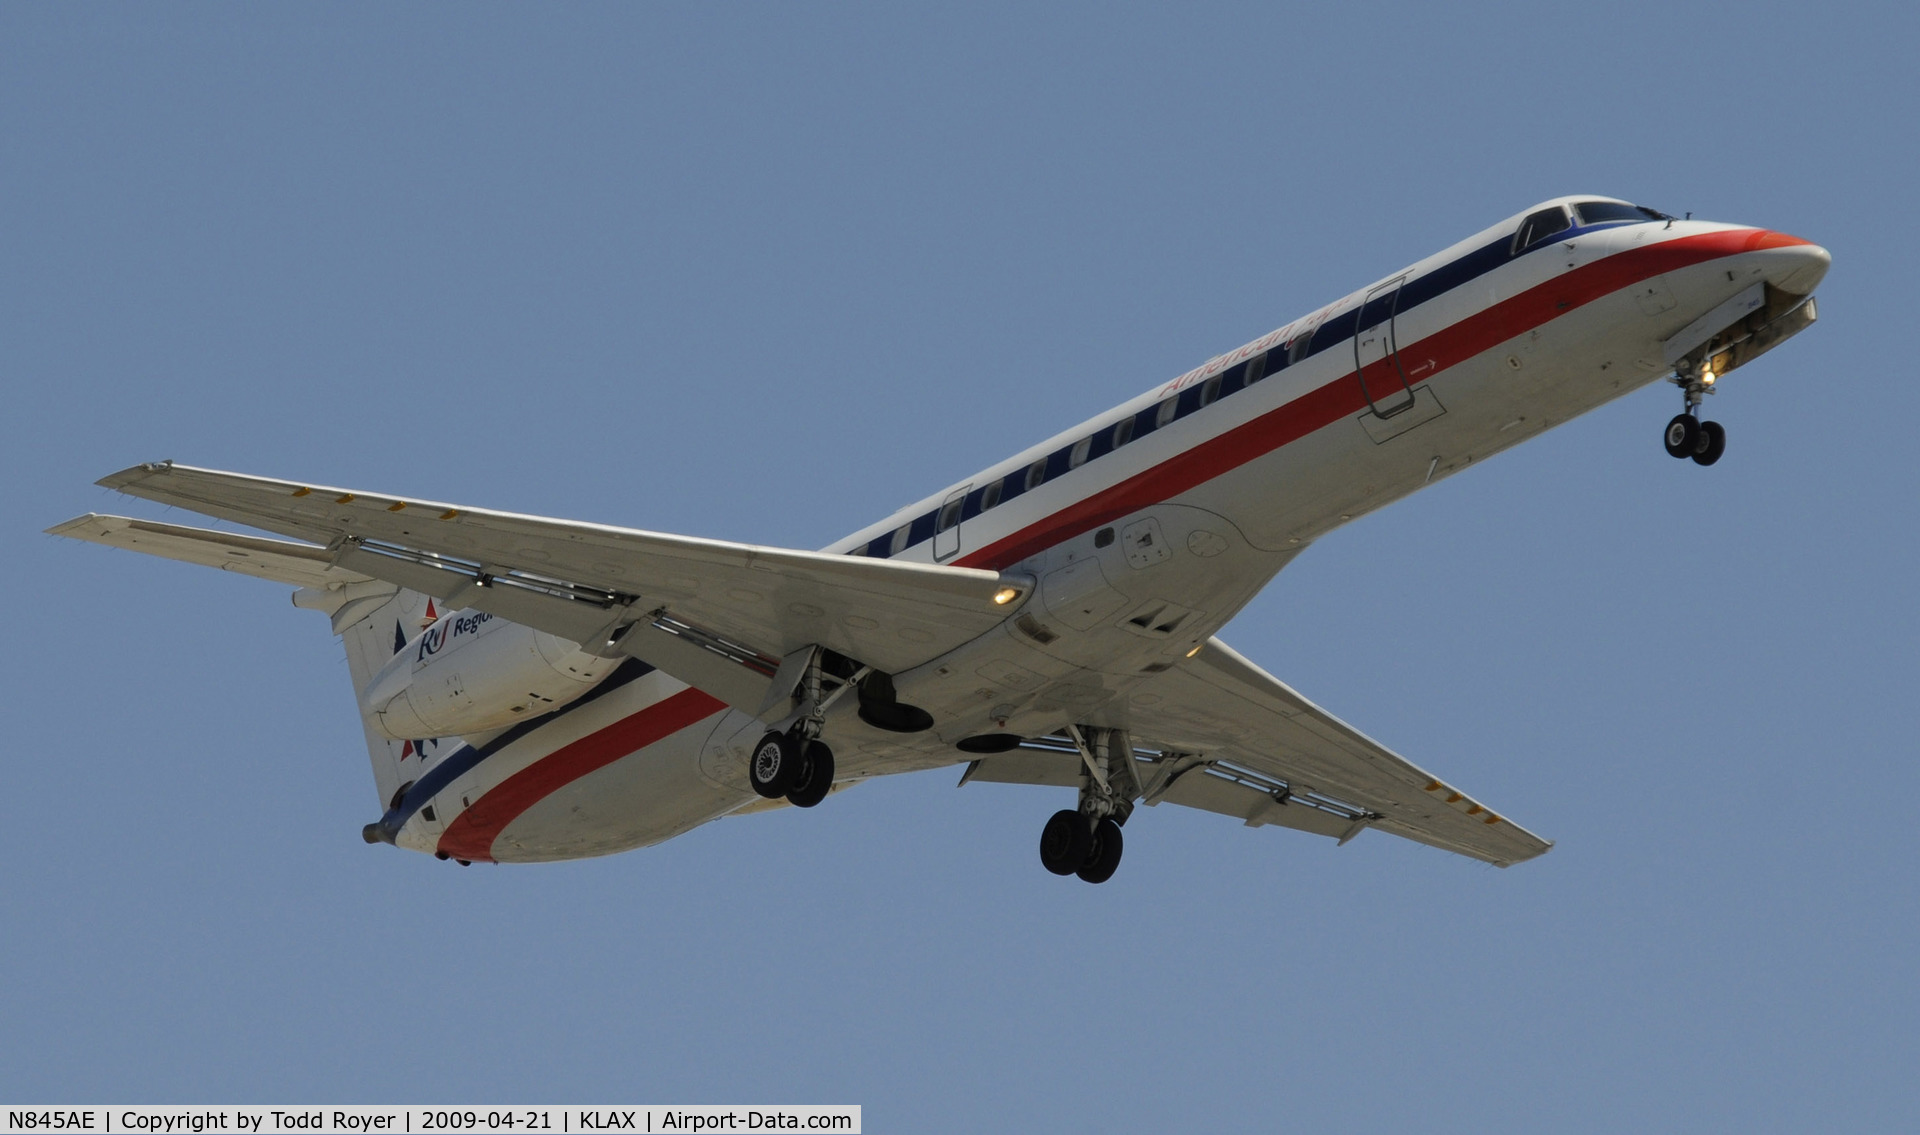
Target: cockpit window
1539	227
1610	212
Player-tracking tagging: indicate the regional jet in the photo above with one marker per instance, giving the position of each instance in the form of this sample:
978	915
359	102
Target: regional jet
538	689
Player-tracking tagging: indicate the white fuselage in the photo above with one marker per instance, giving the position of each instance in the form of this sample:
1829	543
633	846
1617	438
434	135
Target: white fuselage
1152	524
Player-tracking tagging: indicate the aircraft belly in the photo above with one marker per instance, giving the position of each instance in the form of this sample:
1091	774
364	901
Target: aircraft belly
638	800
620	772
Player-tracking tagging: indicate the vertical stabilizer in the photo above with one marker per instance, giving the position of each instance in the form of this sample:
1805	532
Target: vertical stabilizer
374	620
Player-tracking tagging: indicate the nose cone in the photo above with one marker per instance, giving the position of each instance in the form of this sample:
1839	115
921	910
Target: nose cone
1792	264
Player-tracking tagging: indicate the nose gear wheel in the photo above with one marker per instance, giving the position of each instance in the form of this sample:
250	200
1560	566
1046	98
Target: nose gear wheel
1683	433
1713	442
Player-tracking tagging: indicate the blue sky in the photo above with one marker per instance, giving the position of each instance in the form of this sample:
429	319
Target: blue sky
769	272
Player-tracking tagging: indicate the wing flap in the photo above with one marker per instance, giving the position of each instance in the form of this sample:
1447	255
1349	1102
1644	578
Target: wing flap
1253	805
1209	788
1024	766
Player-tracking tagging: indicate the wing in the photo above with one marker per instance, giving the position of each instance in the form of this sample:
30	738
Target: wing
715	614
1223	735
1229	712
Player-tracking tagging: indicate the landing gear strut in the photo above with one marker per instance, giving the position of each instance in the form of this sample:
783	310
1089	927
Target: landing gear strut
1687	435
1086	841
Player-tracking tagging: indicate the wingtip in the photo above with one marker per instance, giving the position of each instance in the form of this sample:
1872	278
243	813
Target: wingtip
77	523
134	474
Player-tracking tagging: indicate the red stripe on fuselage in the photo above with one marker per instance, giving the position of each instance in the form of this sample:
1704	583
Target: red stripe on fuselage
471	834
1343	397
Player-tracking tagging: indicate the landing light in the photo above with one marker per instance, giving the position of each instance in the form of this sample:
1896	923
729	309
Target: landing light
1006	595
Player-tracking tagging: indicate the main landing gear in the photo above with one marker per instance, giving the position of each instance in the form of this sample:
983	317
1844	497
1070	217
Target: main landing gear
1086	841
794	762
1074	843
792	765
1687	435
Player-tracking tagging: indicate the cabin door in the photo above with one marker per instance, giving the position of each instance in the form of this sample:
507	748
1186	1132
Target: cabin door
1376	352
946	525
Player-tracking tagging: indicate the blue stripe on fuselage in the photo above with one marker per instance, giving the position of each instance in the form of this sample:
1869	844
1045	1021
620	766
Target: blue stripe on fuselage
463	760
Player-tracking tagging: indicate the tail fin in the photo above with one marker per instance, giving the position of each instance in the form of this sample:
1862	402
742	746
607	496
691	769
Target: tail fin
374	620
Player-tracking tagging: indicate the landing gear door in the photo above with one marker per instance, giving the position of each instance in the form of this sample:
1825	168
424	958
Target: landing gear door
1376	353
946	524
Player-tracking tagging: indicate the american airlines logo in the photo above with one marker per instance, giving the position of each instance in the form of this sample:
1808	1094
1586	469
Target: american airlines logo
433	640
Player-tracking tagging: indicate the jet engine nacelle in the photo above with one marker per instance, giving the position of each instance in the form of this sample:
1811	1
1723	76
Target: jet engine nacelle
470	672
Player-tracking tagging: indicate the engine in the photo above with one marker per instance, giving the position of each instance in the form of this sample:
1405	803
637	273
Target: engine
470	672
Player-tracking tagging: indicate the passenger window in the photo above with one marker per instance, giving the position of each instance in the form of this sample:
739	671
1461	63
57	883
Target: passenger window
900	535
1122	432
1256	369
1302	341
949	515
1539	227
1166	411
1210	391
1037	474
990	497
1079	455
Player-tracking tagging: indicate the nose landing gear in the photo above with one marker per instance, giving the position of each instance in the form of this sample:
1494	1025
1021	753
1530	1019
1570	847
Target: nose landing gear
1687	435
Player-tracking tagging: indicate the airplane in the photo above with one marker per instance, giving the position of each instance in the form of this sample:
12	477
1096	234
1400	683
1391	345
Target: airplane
537	689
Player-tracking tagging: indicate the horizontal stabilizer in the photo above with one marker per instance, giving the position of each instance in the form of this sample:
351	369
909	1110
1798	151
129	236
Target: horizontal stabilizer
283	561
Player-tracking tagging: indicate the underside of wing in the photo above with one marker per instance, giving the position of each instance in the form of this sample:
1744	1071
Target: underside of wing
716	614
1223	735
